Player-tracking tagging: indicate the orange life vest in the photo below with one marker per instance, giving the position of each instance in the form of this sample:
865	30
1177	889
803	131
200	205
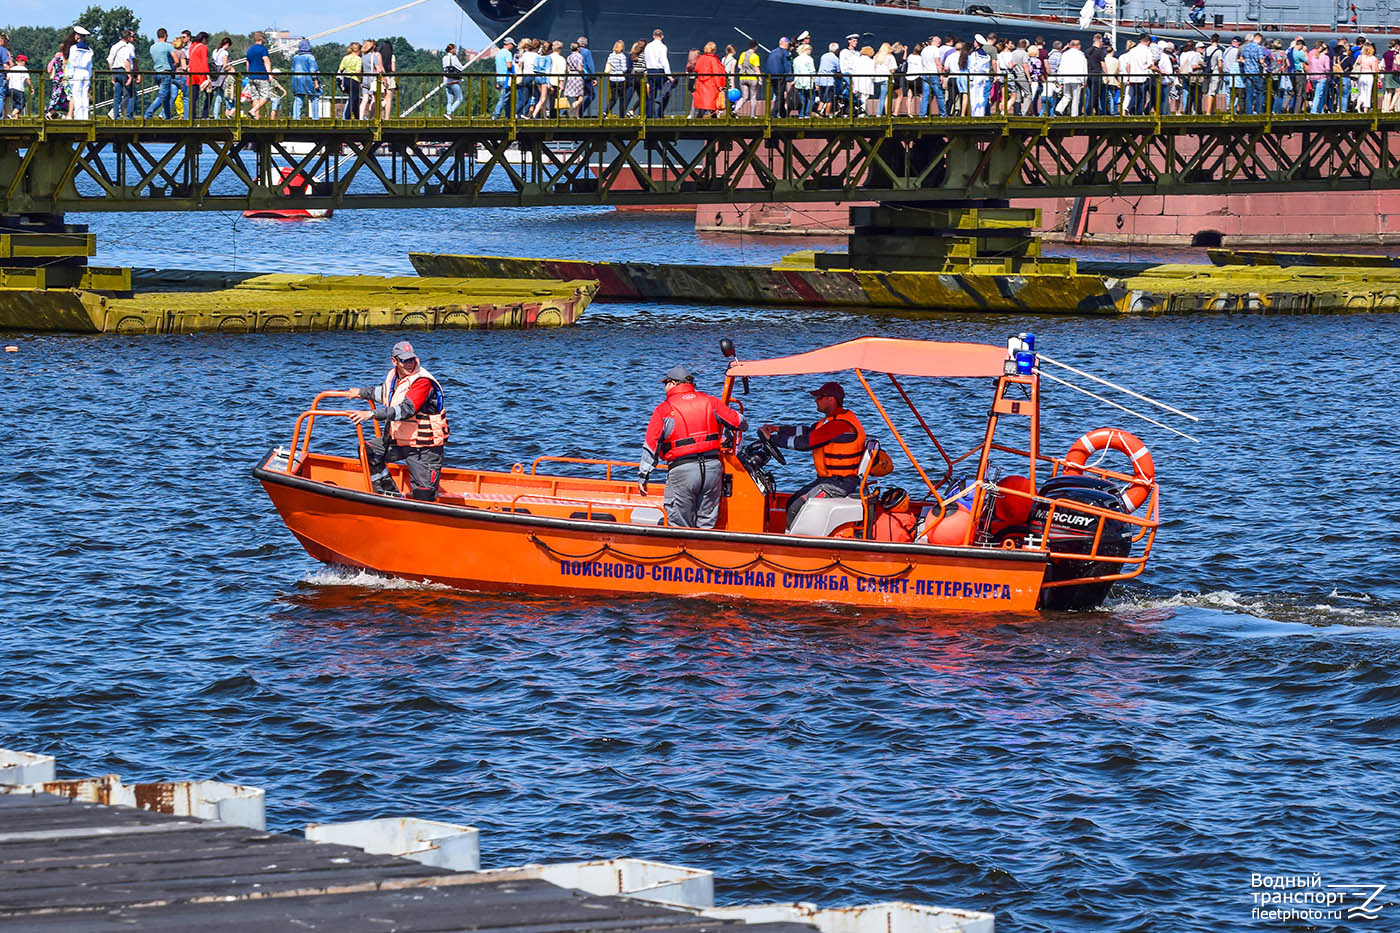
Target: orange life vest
418	430
840	458
696	424
895	526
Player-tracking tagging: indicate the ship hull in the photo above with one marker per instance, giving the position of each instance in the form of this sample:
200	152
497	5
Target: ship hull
690	25
725	22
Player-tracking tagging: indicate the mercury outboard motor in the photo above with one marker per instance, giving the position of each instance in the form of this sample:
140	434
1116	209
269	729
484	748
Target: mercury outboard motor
1073	532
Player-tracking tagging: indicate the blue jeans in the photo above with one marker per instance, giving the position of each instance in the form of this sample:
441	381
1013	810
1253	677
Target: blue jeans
656	88
1254	93
165	95
504	96
1319	93
313	102
454	96
804	101
936	83
880	88
1344	102
123	98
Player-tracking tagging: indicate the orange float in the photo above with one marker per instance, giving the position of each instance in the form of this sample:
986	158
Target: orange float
563	525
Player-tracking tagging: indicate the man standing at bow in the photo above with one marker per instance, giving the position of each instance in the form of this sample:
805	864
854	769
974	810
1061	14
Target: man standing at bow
410	404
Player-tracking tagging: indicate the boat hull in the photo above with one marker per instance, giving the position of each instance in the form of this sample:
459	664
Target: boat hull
291	213
498	551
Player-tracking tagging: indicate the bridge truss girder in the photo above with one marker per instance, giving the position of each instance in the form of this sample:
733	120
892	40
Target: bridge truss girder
54	168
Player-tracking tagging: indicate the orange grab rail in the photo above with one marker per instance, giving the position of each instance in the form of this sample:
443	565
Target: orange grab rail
589	461
308	417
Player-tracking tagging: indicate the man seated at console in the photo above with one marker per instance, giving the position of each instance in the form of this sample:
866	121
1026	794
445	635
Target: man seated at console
837	443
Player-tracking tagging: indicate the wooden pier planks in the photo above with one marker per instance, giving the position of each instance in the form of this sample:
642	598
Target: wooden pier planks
75	866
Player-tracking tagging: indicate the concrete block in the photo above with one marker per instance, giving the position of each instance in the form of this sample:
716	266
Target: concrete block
235	804
442	845
890	917
630	877
25	767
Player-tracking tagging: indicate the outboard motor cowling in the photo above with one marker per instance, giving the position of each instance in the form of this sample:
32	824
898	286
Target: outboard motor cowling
1073	532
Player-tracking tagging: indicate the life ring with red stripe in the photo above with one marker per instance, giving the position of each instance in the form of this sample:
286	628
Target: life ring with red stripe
1116	439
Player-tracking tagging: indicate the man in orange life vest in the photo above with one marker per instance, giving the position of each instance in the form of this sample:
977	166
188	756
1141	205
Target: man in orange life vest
686	431
410	404
837	443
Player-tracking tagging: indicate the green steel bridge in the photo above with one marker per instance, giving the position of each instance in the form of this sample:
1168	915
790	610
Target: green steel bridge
57	166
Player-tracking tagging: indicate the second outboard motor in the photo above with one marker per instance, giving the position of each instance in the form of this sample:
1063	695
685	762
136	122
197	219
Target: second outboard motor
1073	532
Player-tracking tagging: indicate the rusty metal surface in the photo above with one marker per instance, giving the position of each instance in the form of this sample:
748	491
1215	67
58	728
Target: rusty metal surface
230	803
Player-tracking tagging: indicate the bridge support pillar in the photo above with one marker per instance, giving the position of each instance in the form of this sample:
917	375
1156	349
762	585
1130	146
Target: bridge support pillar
951	237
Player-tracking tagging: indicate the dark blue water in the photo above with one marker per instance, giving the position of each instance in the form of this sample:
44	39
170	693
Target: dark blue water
1234	711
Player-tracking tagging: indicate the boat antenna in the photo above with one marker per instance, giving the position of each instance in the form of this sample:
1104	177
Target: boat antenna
1114	385
1135	414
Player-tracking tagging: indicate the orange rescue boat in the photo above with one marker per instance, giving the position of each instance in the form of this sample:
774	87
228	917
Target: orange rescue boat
1053	532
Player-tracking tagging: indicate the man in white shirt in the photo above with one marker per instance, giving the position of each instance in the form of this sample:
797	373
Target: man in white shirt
1192	65
658	61
850	62
122	61
1137	65
1074	71
933	76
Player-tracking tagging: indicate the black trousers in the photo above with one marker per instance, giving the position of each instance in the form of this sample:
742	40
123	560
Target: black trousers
424	466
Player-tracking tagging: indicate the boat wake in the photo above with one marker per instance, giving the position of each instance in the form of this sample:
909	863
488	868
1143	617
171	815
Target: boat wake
1314	609
365	579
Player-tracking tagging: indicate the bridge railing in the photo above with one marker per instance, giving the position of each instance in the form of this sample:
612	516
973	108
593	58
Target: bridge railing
522	99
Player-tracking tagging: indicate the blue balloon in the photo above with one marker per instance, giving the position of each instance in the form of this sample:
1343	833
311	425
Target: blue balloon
734	95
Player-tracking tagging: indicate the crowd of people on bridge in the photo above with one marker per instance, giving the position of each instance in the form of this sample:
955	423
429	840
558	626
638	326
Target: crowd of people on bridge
950	76
941	76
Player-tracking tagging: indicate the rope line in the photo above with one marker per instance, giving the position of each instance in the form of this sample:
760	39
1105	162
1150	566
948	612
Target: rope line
708	565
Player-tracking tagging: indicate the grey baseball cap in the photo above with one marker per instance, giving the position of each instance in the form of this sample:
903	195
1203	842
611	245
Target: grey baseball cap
678	373
403	350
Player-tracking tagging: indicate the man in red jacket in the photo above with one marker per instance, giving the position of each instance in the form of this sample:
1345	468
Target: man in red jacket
686	433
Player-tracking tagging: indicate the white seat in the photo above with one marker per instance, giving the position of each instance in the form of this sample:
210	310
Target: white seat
820	517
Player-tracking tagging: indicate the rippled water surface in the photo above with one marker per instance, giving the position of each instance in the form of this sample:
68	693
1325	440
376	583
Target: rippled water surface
1234	711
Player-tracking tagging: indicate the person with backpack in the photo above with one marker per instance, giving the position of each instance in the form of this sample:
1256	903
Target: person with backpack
451	79
750	68
1213	70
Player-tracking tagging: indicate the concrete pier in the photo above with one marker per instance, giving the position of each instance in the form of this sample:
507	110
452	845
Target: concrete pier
98	853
